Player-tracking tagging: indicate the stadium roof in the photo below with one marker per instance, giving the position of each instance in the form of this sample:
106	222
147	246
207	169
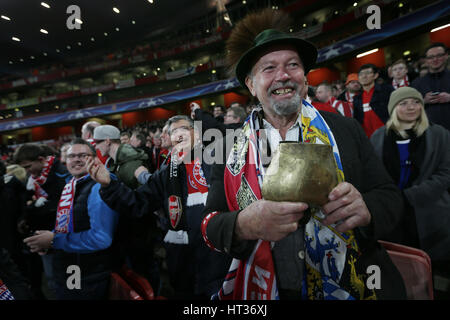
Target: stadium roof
35	32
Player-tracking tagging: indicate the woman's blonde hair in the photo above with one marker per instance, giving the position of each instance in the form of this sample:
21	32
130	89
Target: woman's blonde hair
419	127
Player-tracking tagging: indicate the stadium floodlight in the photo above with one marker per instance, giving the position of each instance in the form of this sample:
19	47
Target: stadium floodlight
366	53
441	27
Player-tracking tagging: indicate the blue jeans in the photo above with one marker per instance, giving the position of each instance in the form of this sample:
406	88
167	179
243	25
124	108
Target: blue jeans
47	263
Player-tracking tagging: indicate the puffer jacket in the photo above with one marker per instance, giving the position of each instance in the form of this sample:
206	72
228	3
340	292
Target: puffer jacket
128	159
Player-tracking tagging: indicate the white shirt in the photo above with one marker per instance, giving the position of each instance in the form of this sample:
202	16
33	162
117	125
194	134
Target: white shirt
274	136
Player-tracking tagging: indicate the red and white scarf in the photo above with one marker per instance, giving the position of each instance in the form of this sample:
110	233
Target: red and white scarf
197	185
349	96
402	83
103	159
197	193
64	212
343	107
40	180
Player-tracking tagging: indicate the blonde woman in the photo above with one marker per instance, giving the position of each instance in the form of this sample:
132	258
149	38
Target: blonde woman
416	153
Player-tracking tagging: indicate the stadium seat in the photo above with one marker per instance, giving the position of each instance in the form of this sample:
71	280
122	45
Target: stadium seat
120	290
415	267
138	283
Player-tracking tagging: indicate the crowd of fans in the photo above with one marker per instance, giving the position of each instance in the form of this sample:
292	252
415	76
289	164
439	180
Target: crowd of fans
121	218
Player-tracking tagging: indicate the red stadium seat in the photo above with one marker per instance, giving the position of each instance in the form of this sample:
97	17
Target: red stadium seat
120	290
138	283
415	267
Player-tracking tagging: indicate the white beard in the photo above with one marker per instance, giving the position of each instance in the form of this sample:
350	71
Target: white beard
288	106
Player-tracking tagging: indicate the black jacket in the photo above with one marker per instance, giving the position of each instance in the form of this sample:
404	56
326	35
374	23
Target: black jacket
43	218
362	169
208	268
438	113
12	199
378	103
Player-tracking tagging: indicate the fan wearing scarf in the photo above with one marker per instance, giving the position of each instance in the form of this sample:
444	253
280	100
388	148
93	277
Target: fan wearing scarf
46	180
287	250
83	232
180	188
399	71
47	177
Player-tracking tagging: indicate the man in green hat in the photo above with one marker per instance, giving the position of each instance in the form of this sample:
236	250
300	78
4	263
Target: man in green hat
278	251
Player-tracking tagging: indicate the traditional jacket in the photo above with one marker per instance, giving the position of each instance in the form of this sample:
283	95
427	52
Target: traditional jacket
363	170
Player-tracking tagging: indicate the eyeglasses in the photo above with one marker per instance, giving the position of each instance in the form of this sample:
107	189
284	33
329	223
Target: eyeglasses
440	55
78	155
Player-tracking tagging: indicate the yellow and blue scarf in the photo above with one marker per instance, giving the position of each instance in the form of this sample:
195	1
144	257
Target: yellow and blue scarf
330	256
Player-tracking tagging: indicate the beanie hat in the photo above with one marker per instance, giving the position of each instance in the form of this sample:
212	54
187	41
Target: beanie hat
106	132
403	93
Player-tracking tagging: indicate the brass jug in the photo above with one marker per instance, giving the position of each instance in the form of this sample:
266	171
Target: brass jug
301	172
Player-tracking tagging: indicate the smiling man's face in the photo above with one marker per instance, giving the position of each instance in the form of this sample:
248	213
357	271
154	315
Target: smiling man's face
77	156
277	79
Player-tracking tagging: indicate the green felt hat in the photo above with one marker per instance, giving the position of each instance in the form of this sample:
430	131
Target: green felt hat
269	37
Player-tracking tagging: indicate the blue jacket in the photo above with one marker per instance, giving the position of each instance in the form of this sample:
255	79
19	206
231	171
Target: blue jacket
97	229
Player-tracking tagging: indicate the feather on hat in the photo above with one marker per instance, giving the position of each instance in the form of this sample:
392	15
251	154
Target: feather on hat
259	30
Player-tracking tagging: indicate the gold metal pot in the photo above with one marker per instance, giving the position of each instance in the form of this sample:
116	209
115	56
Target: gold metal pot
301	172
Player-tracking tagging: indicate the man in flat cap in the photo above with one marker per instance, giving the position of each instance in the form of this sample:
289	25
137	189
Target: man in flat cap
126	158
292	250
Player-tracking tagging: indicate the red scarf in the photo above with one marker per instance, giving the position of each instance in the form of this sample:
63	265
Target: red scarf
255	279
196	182
342	107
403	82
102	158
64	221
371	121
39	181
163	155
349	96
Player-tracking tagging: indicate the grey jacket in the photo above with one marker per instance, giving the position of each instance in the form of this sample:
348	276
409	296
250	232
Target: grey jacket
429	193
